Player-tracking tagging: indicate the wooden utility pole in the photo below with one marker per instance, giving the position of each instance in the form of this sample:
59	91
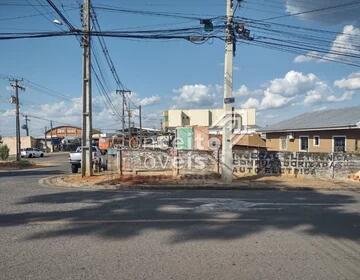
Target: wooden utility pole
86	143
15	85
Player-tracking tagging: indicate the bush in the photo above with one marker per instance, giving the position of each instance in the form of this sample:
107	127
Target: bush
4	152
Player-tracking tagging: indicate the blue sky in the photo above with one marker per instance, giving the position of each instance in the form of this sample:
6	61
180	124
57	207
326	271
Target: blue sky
165	74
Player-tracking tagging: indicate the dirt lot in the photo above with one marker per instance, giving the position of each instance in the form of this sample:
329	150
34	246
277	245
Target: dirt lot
168	180
11	165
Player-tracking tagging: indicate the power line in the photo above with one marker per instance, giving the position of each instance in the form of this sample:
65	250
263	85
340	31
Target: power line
316	10
61	15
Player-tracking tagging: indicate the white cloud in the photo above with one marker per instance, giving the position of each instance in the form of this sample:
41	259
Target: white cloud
310	56
242	91
292	84
251	103
345	96
352	82
295	88
197	95
273	100
338	15
147	101
344	47
69	112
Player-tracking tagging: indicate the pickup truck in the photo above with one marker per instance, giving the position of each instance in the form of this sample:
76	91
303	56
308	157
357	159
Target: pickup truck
75	159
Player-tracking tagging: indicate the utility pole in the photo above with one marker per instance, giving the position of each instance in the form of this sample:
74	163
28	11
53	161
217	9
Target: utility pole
17	86
140	124
86	143
45	139
227	158
123	92
27	125
51	136
129	120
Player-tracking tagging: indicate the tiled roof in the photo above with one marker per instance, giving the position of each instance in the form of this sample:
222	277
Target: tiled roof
335	118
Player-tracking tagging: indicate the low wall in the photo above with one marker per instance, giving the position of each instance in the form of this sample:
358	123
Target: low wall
181	162
246	163
320	165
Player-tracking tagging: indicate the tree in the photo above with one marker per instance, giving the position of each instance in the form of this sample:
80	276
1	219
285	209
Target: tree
4	152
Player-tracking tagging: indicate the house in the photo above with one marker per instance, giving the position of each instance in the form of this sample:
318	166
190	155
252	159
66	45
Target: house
336	130
244	119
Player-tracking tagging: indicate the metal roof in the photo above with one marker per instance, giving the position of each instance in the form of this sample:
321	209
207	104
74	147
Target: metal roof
324	119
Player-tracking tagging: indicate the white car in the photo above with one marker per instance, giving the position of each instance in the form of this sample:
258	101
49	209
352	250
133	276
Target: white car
31	153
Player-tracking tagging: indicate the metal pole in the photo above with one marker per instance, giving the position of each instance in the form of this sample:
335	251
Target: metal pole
227	161
51	136
86	158
140	124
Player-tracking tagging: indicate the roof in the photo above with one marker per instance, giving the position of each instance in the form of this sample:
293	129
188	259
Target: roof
344	118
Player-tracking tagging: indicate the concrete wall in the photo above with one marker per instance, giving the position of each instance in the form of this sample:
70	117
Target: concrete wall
315	165
246	163
326	140
26	142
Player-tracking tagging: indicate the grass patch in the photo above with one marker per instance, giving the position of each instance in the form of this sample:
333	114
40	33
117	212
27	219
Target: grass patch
12	164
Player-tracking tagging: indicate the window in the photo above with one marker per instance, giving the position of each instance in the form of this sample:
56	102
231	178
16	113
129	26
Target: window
283	143
304	143
316	141
339	144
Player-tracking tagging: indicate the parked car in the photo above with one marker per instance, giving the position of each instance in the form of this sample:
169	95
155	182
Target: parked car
31	153
75	159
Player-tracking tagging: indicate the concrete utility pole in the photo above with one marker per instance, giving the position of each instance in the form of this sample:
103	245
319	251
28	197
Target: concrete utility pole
227	159
17	86
51	136
45	139
123	92
86	144
140	124
27	125
129	119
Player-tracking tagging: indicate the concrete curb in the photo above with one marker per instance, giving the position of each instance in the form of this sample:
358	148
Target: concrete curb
55	181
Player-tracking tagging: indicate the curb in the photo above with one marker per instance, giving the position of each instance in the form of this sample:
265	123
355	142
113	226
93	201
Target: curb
53	181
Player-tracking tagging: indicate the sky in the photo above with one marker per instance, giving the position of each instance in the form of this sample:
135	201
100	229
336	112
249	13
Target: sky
175	74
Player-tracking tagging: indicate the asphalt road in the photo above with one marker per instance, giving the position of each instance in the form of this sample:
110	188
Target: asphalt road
55	233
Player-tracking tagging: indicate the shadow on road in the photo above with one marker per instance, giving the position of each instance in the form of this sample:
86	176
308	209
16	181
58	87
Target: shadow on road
31	172
189	215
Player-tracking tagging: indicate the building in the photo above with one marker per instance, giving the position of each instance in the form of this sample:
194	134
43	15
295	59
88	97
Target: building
244	119
64	131
26	142
336	130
